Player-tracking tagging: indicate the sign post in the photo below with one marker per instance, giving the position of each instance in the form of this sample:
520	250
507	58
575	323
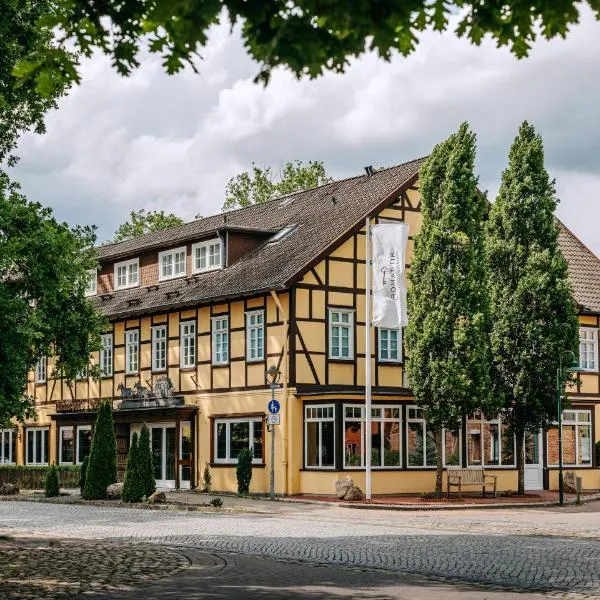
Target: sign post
272	420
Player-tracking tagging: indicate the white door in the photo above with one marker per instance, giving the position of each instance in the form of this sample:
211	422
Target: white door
164	454
534	465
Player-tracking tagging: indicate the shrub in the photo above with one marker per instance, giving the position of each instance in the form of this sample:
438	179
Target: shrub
33	477
52	486
206	479
244	471
133	487
146	464
216	502
102	467
82	474
598	454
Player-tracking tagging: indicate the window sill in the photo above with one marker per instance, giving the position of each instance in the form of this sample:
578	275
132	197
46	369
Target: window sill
126	287
381	361
556	467
219	365
172	277
189	369
347	361
251	361
209	270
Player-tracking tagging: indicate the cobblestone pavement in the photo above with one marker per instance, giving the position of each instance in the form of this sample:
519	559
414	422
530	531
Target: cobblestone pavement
498	548
34	568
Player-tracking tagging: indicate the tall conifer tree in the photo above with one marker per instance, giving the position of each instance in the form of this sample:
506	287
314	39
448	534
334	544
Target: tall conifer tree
448	358
534	321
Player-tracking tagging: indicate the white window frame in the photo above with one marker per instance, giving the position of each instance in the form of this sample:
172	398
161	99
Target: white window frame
255	328
172	255
584	341
60	448
78	429
349	325
187	344
127	264
473	422
228	422
10	434
308	409
206	245
159	348
91	287
380	346
29	459
577	423
217	337
132	351
41	369
106	355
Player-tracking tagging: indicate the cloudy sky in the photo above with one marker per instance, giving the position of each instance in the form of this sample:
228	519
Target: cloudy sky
172	142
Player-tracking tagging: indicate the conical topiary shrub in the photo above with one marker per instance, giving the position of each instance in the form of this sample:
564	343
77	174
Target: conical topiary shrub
146	464
244	471
102	465
133	488
52	482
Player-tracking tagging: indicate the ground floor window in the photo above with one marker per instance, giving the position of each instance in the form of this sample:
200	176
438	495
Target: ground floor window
577	439
36	446
489	442
319	436
8	446
420	442
232	435
66	445
84	442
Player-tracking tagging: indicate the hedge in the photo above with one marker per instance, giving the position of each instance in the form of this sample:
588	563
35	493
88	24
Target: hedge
33	477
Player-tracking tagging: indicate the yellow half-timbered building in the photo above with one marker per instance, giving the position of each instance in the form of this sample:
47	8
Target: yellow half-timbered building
199	312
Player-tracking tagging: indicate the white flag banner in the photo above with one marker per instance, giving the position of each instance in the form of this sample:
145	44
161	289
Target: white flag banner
389	289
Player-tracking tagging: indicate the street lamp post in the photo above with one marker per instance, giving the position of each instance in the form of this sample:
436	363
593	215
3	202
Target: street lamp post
272	375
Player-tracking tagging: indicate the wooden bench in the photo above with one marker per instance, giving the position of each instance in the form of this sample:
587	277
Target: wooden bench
459	477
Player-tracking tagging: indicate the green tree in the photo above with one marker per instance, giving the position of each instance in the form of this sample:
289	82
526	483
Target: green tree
52	486
243	471
133	488
308	37
44	267
102	464
142	222
534	315
262	184
448	358
146	463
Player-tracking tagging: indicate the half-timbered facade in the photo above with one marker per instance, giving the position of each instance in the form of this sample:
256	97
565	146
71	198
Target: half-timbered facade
199	312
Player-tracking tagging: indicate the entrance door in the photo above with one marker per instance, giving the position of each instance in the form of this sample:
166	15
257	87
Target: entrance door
164	455
534	466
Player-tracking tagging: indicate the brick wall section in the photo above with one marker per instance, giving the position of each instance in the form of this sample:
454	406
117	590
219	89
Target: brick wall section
239	244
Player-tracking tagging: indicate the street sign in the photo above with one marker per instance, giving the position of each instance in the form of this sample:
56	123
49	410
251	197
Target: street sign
273	407
273	419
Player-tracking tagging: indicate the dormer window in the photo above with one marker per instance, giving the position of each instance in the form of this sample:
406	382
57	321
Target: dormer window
91	283
127	274
172	263
282	234
207	255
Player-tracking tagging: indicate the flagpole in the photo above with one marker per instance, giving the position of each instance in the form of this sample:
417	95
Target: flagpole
368	361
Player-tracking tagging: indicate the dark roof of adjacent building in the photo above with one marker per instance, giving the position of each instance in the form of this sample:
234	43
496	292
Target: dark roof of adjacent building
322	217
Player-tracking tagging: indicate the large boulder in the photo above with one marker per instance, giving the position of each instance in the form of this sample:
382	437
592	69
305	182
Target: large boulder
570	483
114	491
157	498
354	494
342	486
9	489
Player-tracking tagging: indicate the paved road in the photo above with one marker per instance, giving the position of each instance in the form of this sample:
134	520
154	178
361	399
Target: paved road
522	550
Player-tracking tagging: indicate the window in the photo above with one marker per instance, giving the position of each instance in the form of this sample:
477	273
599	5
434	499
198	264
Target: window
84	442
489	442
282	233
66	449
385	436
341	334
91	283
232	435
132	348
255	335
576	437
188	344
588	349
127	274
37	446
40	369
421	450
207	255
159	348
172	263
106	355
390	347
319	436
8	446
220	340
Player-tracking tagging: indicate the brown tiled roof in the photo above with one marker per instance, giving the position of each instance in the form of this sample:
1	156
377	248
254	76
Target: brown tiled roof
323	216
584	270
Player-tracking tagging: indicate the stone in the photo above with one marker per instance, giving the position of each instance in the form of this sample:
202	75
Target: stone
9	489
114	491
157	498
354	494
342	486
570	483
